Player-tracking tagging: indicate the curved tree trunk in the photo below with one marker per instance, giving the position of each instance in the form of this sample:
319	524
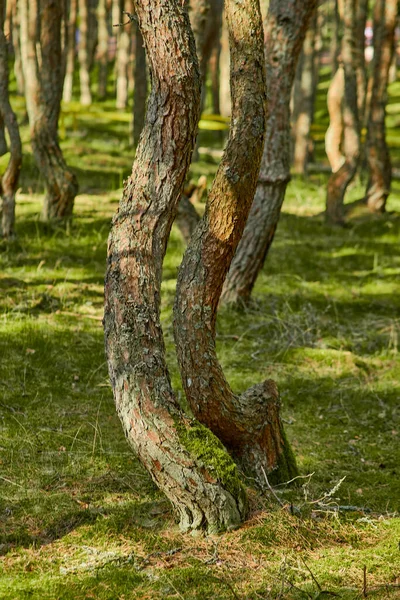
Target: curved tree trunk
70	51
102	47
380	169
285	31
9	181
140	93
334	133
304	97
340	179
43	98
83	53
184	459
248	425
3	141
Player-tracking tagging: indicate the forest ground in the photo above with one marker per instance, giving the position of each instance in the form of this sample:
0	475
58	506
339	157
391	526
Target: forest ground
80	518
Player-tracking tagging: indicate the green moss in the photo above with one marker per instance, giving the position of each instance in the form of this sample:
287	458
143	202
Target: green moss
207	448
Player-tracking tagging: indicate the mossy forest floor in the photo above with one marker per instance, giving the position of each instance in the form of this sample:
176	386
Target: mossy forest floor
80	518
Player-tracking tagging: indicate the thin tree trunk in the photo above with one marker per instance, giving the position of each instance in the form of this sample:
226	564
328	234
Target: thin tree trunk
71	51
83	53
340	179
285	31
214	75
9	180
184	459
140	93
122	58
335	42
248	425
16	34
92	33
3	141
334	133
224	70
359	57
43	99
102	47
304	97
380	168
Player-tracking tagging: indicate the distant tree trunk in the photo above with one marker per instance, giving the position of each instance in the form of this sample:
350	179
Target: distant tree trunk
140	93
122	58
214	75
380	169
83	53
92	33
334	133
248	425
9	180
359	54
41	33
184	459
224	70
198	20
304	97
102	47
335	42
285	31
340	179
211	42
71	51
3	141
16	35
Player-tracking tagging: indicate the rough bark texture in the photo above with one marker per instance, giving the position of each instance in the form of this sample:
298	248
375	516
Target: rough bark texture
140	94
84	54
102	47
340	179
185	460
43	98
380	169
285	31
71	50
248	425
9	180
304	97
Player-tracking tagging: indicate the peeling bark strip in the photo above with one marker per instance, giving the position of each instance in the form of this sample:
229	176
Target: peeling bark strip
184	459
9	180
248	425
43	99
340	179
385	17
285	31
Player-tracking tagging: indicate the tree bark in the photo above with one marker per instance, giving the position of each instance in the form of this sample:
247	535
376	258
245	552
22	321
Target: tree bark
9	180
380	168
3	141
285	31
140	93
43	99
83	53
184	459
102	47
70	51
340	179
248	425
304	97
